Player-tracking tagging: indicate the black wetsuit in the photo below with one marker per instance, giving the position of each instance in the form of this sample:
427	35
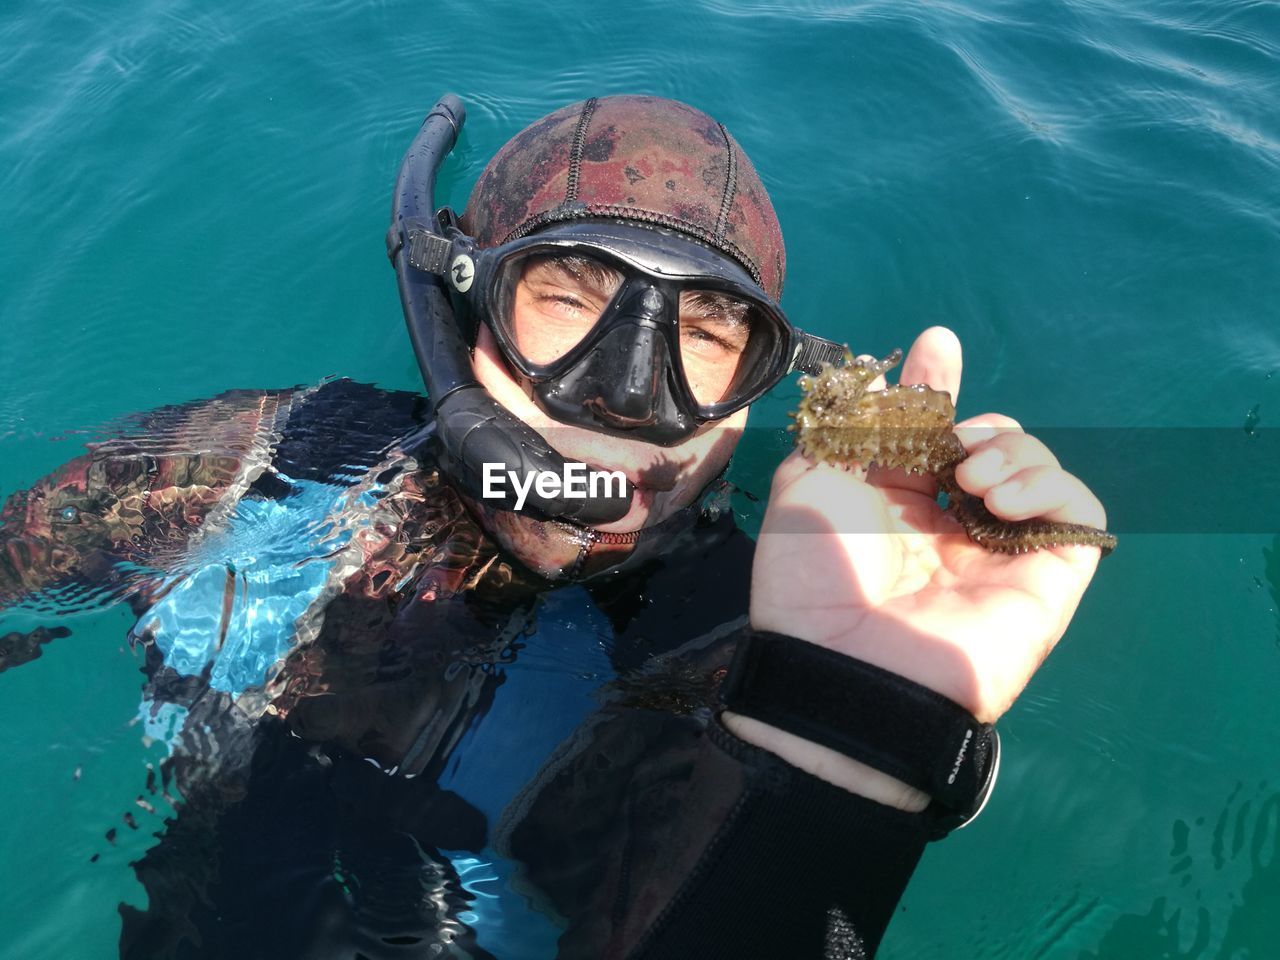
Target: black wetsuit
489	764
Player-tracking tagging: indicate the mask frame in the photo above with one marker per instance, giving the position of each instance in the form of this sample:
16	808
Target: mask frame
581	389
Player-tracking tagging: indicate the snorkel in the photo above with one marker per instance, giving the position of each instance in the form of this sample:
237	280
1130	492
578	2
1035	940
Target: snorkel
473	428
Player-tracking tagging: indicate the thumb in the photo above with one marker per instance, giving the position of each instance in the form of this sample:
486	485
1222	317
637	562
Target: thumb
935	359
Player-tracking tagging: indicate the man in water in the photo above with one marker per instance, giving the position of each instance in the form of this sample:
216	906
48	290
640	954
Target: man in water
432	724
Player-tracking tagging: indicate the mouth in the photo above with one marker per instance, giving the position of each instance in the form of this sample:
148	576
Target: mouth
642	504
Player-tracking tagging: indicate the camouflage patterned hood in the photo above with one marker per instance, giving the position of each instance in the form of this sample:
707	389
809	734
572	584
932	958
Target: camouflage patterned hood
637	158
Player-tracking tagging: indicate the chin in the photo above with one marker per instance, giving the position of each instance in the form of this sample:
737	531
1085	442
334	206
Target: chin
644	512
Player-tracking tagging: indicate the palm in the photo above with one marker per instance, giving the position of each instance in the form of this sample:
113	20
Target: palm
874	568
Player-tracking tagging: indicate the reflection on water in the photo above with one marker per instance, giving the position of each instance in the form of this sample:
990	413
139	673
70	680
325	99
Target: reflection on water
1223	890
1271	560
234	610
107	524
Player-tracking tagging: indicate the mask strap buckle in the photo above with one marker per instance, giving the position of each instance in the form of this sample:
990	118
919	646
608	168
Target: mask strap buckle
428	252
813	352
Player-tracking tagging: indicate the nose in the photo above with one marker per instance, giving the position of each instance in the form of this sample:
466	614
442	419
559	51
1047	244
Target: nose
629	397
626	384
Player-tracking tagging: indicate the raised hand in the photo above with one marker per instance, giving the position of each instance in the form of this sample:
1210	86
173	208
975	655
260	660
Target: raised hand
867	563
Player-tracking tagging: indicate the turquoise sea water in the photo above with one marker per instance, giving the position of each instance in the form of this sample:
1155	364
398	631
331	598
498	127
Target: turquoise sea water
193	198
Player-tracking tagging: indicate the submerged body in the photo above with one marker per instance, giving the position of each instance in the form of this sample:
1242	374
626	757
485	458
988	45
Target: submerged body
912	427
387	737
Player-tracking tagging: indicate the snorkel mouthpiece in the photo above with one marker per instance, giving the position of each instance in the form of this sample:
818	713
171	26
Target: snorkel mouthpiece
472	427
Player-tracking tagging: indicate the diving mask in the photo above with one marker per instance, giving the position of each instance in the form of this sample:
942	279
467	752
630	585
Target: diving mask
623	328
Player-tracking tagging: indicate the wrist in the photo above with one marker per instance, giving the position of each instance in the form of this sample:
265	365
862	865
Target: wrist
901	650
827	764
861	727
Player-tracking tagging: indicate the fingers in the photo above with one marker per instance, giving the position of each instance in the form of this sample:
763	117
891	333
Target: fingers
1019	478
879	383
791	469
993	461
983	427
935	359
1047	493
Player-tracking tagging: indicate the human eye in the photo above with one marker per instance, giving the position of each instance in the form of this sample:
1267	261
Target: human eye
704	351
705	337
562	302
712	321
570	288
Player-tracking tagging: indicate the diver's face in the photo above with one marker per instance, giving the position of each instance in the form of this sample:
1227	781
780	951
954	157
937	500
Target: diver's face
559	300
552	309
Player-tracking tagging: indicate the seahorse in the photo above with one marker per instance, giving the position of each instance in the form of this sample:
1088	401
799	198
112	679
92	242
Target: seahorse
912	427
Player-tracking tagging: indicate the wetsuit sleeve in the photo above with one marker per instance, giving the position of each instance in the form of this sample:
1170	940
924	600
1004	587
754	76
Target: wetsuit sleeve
796	868
655	833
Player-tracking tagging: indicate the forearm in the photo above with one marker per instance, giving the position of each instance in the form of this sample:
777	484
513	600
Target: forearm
797	868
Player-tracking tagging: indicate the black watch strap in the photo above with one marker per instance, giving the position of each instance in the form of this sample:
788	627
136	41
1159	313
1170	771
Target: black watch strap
883	720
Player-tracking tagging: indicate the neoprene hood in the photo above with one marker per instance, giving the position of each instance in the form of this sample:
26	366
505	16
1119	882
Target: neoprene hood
643	159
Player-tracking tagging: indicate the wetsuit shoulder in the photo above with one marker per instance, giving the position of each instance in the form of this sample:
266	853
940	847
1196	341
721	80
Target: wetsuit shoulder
341	428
